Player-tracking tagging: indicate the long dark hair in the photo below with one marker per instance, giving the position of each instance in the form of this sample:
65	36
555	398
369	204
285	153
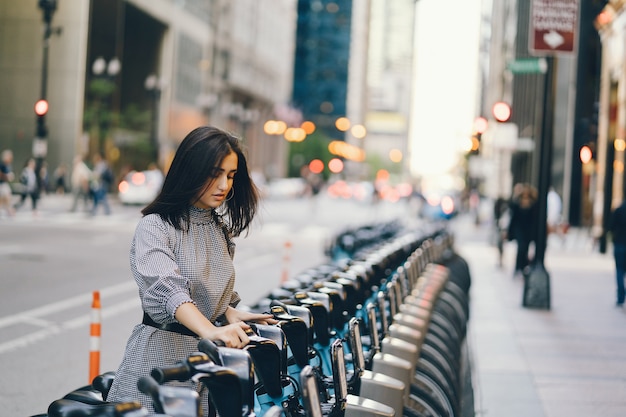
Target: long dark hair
198	157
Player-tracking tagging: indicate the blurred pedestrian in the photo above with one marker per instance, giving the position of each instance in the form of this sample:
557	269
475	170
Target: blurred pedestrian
182	260
501	218
523	225
28	177
6	177
618	234
60	187
101	180
43	178
554	208
81	174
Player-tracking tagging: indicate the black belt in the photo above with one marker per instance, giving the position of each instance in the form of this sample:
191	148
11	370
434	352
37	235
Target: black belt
170	327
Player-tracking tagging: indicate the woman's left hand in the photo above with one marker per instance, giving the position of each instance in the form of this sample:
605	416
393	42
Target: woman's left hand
233	315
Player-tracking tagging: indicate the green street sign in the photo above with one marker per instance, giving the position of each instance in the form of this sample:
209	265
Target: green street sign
528	66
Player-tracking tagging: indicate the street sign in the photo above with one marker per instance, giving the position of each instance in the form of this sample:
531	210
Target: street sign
553	26
527	66
502	136
40	147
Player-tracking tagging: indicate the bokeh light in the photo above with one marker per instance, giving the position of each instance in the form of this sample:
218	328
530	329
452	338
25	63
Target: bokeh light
316	166
335	165
585	154
308	126
342	124
295	134
395	155
358	131
275	127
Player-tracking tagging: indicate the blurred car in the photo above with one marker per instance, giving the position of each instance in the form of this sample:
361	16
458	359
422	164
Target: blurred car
437	206
140	187
286	188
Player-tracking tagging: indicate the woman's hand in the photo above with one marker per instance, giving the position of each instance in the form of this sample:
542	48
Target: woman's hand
233	335
233	315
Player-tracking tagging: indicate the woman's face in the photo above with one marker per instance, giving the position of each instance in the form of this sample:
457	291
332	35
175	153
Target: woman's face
215	194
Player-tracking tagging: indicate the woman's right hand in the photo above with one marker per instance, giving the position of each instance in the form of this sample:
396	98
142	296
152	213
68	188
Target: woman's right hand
233	335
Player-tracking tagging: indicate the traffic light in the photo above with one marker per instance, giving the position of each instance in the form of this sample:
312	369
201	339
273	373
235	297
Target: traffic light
48	7
41	109
480	126
501	111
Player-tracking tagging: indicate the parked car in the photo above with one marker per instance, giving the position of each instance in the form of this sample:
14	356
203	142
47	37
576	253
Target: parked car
140	187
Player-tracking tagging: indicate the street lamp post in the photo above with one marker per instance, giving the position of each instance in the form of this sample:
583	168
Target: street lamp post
106	73
154	86
40	144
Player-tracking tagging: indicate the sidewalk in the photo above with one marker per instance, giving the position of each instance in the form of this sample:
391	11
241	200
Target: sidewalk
563	362
57	207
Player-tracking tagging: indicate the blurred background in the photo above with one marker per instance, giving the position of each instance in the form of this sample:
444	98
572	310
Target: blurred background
380	109
387	98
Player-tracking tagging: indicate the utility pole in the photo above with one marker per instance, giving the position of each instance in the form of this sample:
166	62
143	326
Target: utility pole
537	282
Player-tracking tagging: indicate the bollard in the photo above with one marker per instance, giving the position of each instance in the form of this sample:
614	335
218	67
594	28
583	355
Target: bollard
286	260
94	339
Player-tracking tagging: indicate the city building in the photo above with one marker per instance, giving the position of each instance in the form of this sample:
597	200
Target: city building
389	78
553	92
130	78
322	55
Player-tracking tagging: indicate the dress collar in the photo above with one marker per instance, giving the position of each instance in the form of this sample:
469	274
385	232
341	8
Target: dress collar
201	216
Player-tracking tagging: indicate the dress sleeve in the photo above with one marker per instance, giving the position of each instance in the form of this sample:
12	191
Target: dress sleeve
162	288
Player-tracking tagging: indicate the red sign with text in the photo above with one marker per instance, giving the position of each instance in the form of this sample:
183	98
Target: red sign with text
553	26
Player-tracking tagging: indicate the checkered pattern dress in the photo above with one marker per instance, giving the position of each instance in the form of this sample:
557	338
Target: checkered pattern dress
172	267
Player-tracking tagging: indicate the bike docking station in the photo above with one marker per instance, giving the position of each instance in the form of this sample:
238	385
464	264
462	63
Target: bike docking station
379	330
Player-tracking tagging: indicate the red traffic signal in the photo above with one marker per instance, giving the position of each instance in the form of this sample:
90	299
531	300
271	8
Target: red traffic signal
501	111
41	107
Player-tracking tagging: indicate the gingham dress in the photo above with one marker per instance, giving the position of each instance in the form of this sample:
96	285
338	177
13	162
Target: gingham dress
172	267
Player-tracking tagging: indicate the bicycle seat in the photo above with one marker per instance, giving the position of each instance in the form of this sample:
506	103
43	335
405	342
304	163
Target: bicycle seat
239	361
170	400
296	332
320	312
103	383
224	389
85	395
275	334
268	361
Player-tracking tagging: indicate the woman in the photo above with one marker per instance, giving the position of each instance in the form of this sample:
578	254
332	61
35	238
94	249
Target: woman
181	258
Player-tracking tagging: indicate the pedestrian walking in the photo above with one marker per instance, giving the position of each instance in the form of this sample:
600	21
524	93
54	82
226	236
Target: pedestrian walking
523	225
501	218
60	187
101	179
181	257
79	180
28	178
6	177
554	214
618	235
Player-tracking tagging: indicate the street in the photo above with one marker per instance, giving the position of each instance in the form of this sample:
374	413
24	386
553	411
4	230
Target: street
52	263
